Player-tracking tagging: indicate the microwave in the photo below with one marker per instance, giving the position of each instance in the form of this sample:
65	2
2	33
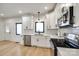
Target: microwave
67	17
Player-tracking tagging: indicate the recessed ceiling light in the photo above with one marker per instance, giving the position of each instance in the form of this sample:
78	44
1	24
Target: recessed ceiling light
2	14
46	8
20	12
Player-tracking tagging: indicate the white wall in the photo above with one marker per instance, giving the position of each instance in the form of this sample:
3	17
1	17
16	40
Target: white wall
11	24
2	29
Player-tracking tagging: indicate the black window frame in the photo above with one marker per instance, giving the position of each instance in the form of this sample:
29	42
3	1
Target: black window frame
43	27
16	28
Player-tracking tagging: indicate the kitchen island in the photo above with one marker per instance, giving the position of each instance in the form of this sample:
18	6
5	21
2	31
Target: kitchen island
67	51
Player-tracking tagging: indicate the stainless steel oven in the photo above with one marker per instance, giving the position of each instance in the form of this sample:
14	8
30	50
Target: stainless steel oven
72	40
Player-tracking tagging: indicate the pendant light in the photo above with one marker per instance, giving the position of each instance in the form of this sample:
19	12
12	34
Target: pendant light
38	15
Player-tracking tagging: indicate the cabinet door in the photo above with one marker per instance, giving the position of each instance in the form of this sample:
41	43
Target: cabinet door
27	20
47	41
44	42
33	41
52	21
76	14
58	53
40	41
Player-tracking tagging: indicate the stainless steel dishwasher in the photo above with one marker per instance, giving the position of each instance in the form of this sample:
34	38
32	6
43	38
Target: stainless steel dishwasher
27	40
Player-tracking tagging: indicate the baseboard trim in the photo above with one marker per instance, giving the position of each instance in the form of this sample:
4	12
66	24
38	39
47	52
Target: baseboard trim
41	47
28	45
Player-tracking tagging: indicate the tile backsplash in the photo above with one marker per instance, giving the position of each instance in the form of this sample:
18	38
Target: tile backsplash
64	30
52	32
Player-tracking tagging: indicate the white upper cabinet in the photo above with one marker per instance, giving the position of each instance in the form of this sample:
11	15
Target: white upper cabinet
52	20
27	23
76	15
53	17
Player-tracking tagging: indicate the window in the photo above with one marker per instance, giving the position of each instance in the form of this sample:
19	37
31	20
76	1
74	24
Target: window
39	27
18	28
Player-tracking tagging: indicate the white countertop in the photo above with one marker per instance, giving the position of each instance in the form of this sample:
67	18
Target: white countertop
57	37
47	35
68	51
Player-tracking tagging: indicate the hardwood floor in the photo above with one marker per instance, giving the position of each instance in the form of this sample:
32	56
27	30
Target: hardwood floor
9	48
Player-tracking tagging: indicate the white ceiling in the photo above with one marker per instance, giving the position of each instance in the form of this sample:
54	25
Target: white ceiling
11	9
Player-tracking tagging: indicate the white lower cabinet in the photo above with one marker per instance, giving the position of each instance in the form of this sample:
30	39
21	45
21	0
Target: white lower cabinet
40	41
58	54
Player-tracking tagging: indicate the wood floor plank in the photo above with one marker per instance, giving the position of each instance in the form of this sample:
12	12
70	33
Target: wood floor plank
9	48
